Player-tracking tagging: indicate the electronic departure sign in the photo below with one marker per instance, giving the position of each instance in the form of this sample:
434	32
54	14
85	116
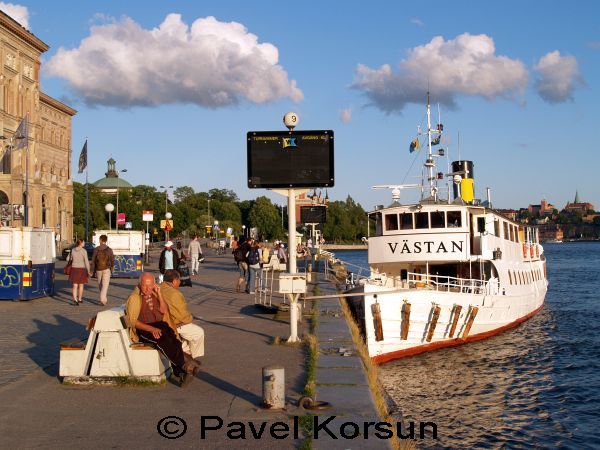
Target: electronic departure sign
290	159
313	214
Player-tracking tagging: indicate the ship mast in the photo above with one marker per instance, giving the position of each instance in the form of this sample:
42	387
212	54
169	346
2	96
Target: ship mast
429	163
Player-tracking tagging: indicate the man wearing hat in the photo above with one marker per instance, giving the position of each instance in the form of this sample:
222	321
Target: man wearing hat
168	259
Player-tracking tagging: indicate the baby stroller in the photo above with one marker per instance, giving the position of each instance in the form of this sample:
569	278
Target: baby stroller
184	274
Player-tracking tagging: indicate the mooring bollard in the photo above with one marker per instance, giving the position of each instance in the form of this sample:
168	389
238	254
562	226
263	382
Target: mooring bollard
273	387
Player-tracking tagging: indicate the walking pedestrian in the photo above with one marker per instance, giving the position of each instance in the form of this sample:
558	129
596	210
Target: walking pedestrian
239	255
179	250
80	269
103	263
168	259
195	253
253	259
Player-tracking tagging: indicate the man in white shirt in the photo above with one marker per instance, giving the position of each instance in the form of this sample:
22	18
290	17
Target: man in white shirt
195	252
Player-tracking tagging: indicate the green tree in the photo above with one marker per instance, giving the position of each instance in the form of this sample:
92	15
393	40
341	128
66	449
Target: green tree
265	216
182	192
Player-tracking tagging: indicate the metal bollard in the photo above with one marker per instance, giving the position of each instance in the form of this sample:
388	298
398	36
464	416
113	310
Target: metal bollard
273	387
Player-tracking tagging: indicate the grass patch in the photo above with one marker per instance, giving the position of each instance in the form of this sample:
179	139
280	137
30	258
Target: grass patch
312	354
119	381
373	377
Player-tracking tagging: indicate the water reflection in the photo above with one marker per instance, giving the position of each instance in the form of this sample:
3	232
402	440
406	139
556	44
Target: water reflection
537	385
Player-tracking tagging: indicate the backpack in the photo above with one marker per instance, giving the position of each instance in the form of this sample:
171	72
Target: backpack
238	254
102	260
253	256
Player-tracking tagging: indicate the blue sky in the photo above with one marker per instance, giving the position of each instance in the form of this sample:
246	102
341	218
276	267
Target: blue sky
169	89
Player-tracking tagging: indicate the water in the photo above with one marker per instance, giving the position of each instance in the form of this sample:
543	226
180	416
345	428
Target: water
537	385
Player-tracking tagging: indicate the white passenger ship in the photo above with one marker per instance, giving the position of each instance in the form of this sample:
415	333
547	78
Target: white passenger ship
444	272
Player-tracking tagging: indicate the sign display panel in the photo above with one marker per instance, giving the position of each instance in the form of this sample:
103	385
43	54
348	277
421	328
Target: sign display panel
290	159
313	214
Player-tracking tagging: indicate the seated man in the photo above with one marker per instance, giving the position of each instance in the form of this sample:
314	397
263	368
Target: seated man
191	334
149	317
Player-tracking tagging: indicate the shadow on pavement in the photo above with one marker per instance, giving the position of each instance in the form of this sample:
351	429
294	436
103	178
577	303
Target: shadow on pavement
230	388
47	339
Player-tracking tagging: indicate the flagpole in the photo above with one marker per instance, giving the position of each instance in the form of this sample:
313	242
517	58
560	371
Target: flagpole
82	164
86	204
27	170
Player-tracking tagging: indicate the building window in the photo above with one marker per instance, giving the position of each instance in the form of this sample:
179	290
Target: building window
43	210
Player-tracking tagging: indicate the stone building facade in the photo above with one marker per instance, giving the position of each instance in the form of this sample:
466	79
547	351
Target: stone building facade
48	152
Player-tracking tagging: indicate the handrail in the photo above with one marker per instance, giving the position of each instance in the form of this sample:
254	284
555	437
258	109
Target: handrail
447	283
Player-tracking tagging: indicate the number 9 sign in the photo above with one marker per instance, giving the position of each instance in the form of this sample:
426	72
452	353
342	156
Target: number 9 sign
291	120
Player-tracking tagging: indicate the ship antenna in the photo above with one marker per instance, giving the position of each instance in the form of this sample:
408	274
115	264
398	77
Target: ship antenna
429	162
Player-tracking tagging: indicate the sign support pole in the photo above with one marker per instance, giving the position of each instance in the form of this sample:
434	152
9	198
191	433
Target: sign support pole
292	260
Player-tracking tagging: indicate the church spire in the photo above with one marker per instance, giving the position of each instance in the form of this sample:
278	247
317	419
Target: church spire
577	200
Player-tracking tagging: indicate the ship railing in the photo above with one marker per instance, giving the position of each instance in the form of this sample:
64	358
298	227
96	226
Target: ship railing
451	284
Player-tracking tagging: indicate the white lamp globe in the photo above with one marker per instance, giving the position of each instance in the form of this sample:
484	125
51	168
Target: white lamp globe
168	215
109	207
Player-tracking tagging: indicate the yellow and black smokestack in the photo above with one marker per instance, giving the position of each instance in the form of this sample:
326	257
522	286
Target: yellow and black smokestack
467	185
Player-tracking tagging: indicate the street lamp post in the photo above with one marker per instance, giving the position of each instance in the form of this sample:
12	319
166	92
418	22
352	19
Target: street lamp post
208	209
109	208
166	197
117	221
244	231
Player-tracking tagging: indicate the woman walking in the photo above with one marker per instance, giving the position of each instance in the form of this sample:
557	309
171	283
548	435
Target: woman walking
80	269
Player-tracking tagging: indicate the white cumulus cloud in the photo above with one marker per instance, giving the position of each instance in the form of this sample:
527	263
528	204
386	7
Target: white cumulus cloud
18	12
346	115
466	65
209	63
558	76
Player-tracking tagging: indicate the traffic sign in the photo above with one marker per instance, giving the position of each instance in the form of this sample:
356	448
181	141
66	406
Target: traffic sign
121	219
166	225
147	216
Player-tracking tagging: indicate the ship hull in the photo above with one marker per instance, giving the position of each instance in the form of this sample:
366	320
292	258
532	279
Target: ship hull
435	319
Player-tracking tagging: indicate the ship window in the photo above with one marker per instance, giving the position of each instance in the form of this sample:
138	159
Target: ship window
496	227
406	221
421	220
481	224
515	234
375	223
454	219
391	222
506	230
438	219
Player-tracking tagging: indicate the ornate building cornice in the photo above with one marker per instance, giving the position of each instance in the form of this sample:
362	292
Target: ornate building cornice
50	101
18	30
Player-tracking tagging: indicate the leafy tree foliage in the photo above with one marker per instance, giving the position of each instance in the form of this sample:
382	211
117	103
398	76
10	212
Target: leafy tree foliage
346	220
265	216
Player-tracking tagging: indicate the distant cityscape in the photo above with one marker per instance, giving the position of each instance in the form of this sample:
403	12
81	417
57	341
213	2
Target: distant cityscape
578	220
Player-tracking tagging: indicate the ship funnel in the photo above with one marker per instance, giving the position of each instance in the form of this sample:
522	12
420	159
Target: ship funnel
467	184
